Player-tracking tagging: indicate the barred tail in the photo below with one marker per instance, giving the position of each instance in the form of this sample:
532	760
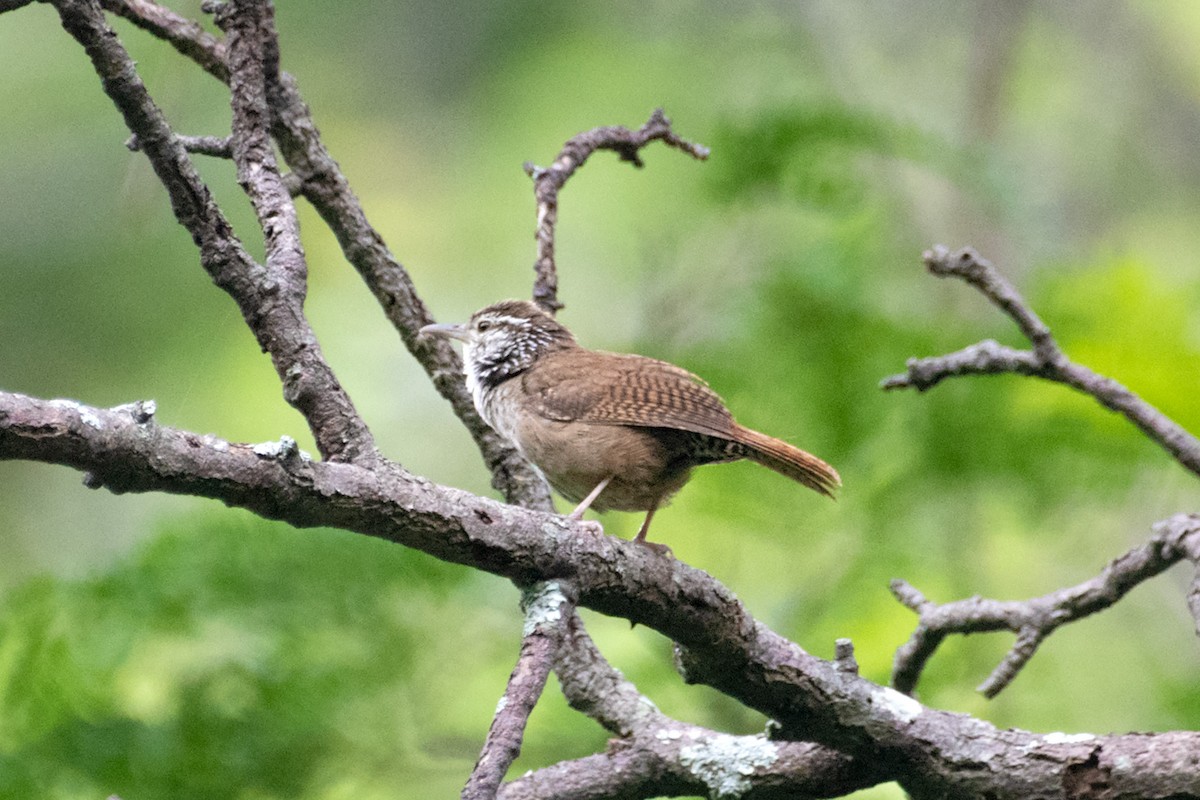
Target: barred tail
789	461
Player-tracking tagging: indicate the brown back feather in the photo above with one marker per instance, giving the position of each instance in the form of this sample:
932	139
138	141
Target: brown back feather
614	389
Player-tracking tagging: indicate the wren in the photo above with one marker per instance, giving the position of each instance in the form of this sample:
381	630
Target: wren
608	431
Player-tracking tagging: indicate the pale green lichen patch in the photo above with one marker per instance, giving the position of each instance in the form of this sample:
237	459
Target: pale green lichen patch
725	763
86	415
1067	738
285	448
543	606
898	705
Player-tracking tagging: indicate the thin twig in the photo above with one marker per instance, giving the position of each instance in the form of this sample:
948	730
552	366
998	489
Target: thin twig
1175	539
548	181
1034	620
215	146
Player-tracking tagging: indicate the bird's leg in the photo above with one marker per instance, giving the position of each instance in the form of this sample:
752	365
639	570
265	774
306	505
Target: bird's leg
641	534
577	514
587	501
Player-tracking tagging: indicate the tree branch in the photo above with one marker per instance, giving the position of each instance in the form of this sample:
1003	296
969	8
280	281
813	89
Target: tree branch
688	760
321	181
185	35
548	181
269	298
547	611
1034	620
308	381
1175	539
215	146
932	753
1046	360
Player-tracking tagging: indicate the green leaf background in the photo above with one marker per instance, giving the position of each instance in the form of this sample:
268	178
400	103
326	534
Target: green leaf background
155	646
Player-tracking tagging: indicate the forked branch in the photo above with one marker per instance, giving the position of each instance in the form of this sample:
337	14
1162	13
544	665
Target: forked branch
547	181
1174	540
317	176
1045	360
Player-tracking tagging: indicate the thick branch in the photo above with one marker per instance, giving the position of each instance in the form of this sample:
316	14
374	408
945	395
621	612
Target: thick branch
593	687
1046	360
932	753
268	298
689	761
548	181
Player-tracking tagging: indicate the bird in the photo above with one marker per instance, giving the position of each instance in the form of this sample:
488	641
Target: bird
607	430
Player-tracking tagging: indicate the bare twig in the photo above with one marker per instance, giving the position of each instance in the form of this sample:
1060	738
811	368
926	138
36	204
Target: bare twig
185	35
1175	539
548	181
547	610
1045	360
215	146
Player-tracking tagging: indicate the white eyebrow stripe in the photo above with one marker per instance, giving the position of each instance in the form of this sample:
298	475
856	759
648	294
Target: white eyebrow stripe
522	321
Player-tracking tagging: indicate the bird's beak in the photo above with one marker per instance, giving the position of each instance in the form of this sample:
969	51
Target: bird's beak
449	329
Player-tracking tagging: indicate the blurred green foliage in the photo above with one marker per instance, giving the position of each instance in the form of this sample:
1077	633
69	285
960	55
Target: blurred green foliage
155	646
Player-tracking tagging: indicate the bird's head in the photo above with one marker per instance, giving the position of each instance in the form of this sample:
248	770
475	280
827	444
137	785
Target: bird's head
504	339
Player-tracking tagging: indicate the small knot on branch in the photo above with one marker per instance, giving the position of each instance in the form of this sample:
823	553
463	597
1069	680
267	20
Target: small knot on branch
141	411
219	9
964	263
843	656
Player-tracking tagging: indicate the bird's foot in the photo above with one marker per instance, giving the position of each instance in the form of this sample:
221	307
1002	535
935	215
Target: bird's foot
661	549
589	525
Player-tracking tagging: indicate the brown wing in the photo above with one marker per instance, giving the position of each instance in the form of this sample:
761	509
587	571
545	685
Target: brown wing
607	388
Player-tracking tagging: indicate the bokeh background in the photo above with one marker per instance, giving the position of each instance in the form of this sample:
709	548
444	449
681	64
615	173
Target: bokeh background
156	646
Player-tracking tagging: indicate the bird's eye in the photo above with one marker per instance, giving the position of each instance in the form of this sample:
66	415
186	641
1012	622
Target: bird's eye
483	325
